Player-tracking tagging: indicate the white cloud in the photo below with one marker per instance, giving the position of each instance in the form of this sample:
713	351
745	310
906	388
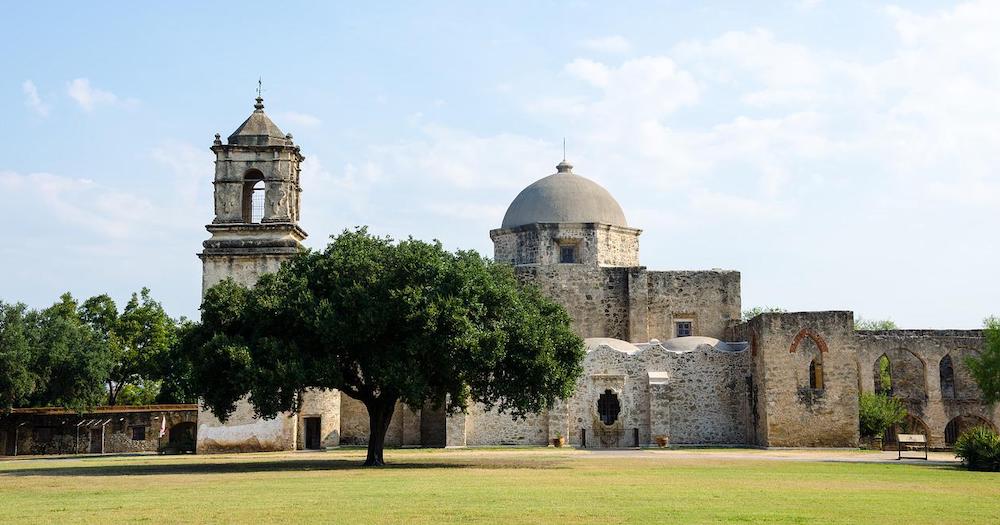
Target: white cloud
89	97
78	203
296	119
33	100
608	44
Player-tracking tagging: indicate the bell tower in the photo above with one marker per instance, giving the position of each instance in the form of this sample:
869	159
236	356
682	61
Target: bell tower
257	196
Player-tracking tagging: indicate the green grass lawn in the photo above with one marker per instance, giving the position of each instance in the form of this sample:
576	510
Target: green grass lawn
509	486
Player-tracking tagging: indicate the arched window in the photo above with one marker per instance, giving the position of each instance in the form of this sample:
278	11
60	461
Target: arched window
946	371
253	196
608	407
816	373
882	373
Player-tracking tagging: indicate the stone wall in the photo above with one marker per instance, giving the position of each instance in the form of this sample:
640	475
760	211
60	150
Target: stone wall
539	244
789	412
704	394
243	431
324	404
710	299
404	427
67	432
484	427
596	298
915	358
690	397
634	304
244	269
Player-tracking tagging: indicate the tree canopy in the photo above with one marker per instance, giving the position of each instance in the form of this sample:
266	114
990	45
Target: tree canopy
750	313
986	366
81	355
860	323
138	339
384	321
50	357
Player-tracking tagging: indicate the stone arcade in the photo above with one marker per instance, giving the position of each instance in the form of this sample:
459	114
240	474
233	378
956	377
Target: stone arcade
668	357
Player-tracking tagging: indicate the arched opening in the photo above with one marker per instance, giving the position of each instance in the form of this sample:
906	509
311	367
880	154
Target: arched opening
962	424
816	372
946	371
910	425
882	373
253	196
182	437
608	407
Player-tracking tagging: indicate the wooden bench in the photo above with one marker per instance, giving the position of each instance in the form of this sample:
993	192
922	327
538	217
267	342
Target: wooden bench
909	442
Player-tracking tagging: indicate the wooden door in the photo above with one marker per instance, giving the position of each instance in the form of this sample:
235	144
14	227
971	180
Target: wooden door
313	433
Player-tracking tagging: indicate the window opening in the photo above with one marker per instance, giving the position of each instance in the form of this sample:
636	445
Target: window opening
608	407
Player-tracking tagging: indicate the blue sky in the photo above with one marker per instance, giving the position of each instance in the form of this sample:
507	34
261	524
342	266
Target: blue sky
842	155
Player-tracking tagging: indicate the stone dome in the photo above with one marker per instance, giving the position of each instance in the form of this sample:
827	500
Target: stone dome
564	197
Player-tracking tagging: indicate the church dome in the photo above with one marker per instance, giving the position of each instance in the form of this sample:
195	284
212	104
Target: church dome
564	197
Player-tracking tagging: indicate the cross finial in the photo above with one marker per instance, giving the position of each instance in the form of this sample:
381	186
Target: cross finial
259	106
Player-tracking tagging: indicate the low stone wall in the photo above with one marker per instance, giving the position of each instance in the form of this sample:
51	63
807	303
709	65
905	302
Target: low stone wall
484	427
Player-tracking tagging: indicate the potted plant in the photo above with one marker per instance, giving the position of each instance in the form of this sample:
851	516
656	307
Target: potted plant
559	440
662	441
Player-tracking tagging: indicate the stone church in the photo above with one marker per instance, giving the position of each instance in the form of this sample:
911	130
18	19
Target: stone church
669	358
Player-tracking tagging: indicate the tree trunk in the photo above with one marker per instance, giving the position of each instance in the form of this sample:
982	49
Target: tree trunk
379	415
112	394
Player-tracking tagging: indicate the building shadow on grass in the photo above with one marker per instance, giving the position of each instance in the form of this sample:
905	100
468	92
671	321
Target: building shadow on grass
258	466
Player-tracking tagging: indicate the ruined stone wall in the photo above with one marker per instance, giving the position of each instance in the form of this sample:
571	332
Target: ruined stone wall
72	433
797	415
596	244
596	298
915	356
484	427
710	299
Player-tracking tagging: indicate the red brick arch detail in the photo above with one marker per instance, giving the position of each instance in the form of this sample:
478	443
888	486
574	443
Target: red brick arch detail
805	332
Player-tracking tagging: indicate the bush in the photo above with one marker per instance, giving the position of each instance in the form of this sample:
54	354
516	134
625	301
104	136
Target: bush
879	412
979	449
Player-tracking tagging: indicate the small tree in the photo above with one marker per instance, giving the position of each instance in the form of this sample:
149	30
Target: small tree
750	313
986	366
879	412
860	323
384	322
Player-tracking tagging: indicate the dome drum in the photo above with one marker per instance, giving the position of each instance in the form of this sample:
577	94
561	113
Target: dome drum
565	219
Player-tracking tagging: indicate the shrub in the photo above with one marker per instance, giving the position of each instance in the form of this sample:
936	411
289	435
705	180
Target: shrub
879	412
979	449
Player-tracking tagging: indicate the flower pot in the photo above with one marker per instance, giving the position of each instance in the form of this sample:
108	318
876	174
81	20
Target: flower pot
662	441
558	442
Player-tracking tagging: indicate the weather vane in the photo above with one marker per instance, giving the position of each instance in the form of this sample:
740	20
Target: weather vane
259	85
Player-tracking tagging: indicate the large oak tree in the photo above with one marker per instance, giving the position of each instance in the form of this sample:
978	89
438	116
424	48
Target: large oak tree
384	321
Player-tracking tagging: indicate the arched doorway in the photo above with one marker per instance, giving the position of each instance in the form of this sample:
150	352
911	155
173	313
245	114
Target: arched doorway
960	425
183	437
